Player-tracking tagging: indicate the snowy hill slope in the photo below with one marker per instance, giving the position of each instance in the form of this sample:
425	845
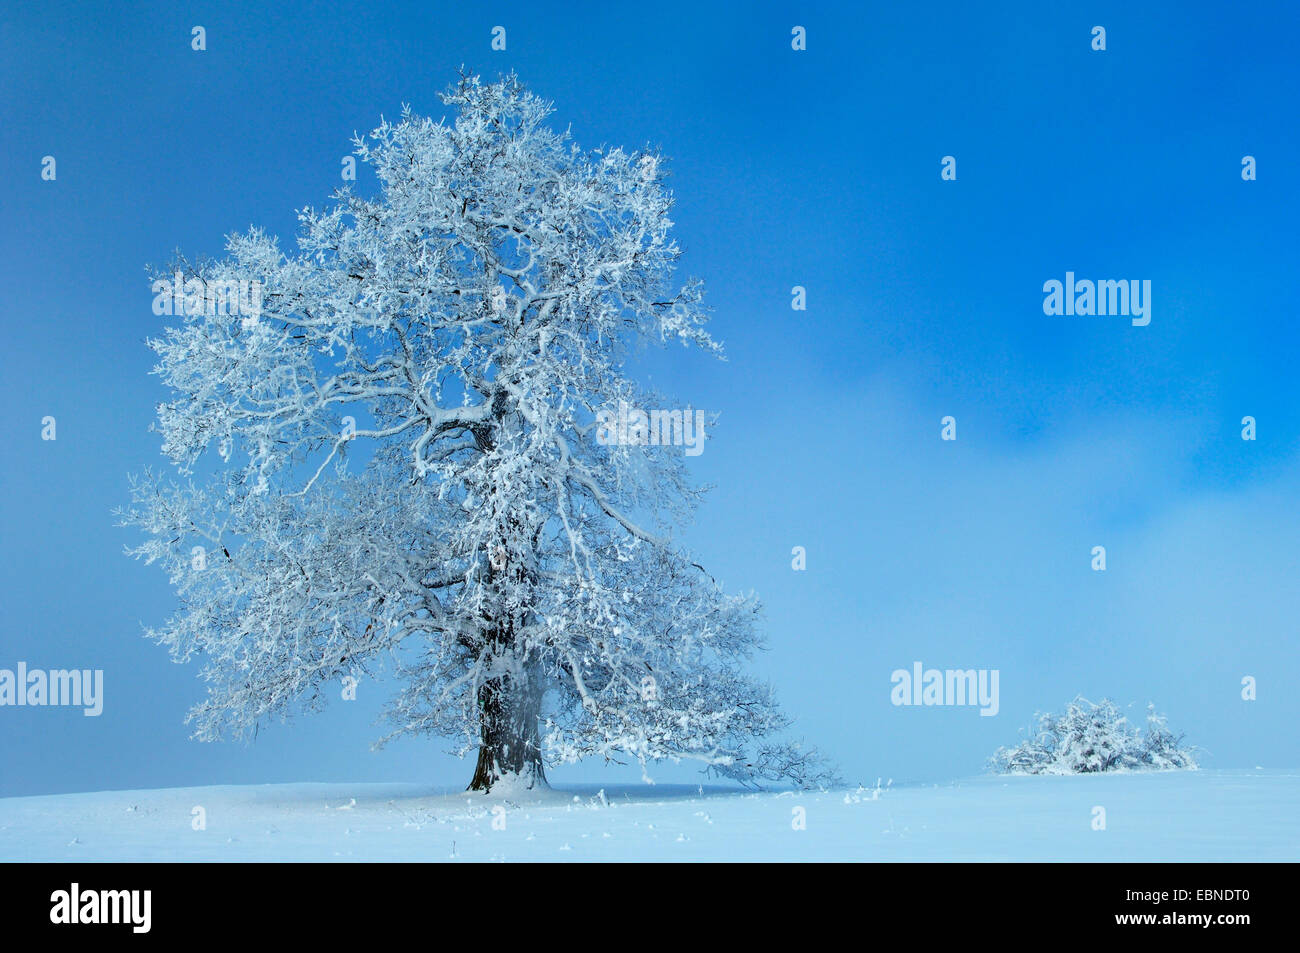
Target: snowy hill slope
1191	815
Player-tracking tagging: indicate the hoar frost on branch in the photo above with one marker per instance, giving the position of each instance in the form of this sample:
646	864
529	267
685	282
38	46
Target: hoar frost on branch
465	528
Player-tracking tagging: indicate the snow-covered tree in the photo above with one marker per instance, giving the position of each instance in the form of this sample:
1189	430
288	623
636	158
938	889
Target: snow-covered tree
397	466
1089	738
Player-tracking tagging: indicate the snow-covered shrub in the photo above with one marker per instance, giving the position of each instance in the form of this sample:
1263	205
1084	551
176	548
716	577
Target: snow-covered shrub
1161	749
1089	738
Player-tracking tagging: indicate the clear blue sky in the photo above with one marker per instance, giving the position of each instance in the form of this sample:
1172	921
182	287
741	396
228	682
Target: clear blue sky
817	168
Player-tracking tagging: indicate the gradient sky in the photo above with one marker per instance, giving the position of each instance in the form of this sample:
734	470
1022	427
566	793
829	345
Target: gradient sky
817	168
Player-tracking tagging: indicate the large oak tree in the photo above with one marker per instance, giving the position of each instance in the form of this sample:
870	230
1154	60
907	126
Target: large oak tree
397	466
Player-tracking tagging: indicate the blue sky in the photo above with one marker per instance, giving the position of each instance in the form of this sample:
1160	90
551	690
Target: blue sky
817	168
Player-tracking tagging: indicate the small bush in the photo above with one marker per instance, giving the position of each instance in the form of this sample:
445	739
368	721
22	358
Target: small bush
1089	738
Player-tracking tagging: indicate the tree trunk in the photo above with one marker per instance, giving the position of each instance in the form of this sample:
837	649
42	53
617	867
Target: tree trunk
510	749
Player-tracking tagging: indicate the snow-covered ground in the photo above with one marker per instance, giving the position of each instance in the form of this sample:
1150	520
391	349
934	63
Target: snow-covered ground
1188	815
